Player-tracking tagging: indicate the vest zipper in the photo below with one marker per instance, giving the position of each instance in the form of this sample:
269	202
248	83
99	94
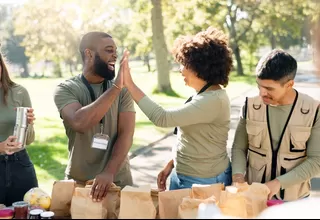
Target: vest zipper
282	191
275	152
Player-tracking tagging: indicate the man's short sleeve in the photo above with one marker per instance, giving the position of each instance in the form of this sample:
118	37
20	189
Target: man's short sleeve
63	96
126	102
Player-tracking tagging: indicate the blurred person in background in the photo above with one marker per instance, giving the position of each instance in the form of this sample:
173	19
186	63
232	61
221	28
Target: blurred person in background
315	31
200	155
17	173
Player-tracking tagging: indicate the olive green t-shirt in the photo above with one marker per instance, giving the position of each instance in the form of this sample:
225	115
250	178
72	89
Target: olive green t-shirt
84	161
277	118
18	96
203	132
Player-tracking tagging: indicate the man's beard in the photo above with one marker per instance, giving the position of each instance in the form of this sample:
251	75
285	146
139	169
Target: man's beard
101	68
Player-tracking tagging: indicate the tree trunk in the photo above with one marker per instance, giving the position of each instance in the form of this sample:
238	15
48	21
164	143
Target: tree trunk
146	61
160	47
57	70
236	51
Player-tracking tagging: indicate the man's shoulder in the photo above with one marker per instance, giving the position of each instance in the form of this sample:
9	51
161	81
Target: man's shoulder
73	84
75	80
308	98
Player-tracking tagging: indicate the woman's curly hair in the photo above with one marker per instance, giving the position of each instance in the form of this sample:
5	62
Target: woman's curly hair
207	53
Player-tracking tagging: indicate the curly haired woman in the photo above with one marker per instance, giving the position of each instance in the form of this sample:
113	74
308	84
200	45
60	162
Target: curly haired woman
200	155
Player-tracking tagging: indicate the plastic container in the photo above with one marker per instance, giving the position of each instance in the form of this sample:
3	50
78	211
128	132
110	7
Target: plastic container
20	210
274	202
6	213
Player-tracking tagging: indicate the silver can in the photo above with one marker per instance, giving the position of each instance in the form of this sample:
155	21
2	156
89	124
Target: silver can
21	116
21	126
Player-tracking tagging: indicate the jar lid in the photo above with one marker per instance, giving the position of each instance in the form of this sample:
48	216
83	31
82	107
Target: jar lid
35	211
47	214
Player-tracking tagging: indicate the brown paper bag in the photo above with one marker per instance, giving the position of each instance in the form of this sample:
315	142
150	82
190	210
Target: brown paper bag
244	201
188	209
232	203
256	198
136	203
61	197
199	191
82	206
155	200
112	202
169	202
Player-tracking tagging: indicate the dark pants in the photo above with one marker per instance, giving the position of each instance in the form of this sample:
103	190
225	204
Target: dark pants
17	176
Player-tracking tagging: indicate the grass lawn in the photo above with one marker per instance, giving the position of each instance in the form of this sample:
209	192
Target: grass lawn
49	151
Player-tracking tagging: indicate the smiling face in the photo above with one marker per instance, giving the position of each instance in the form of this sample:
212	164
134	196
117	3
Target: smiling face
272	92
190	77
103	58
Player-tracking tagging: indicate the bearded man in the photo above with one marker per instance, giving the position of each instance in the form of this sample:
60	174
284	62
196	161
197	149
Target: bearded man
99	117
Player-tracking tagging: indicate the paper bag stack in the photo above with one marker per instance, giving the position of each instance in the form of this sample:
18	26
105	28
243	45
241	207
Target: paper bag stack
188	209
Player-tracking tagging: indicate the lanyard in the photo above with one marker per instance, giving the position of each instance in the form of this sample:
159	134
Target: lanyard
190	98
93	97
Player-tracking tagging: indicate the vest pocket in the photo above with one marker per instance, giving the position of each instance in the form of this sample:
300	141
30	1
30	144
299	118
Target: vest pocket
255	132
256	170
298	138
296	191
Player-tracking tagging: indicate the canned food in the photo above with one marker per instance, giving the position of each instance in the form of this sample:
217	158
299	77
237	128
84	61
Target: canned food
47	215
35	213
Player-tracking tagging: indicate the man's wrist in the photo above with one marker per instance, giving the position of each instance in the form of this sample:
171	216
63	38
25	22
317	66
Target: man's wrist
110	170
116	86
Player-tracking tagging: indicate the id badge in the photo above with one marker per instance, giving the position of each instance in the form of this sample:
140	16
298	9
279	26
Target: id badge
100	141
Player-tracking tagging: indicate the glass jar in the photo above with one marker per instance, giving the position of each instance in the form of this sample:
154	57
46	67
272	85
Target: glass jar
20	209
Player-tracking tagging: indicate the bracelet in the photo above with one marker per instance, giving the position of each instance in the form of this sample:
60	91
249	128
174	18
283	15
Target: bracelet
116	86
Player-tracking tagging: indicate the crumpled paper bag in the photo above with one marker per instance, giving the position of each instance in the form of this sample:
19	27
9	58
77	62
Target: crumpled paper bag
82	206
136	203
155	200
108	208
188	209
61	196
169	202
199	191
243	200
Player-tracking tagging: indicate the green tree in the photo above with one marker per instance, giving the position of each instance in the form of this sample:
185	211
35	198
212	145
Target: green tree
12	49
53	30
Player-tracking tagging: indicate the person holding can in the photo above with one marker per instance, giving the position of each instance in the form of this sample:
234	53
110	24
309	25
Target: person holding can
17	173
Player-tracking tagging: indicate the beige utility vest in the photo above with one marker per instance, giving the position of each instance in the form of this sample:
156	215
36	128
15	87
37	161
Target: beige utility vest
265	164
